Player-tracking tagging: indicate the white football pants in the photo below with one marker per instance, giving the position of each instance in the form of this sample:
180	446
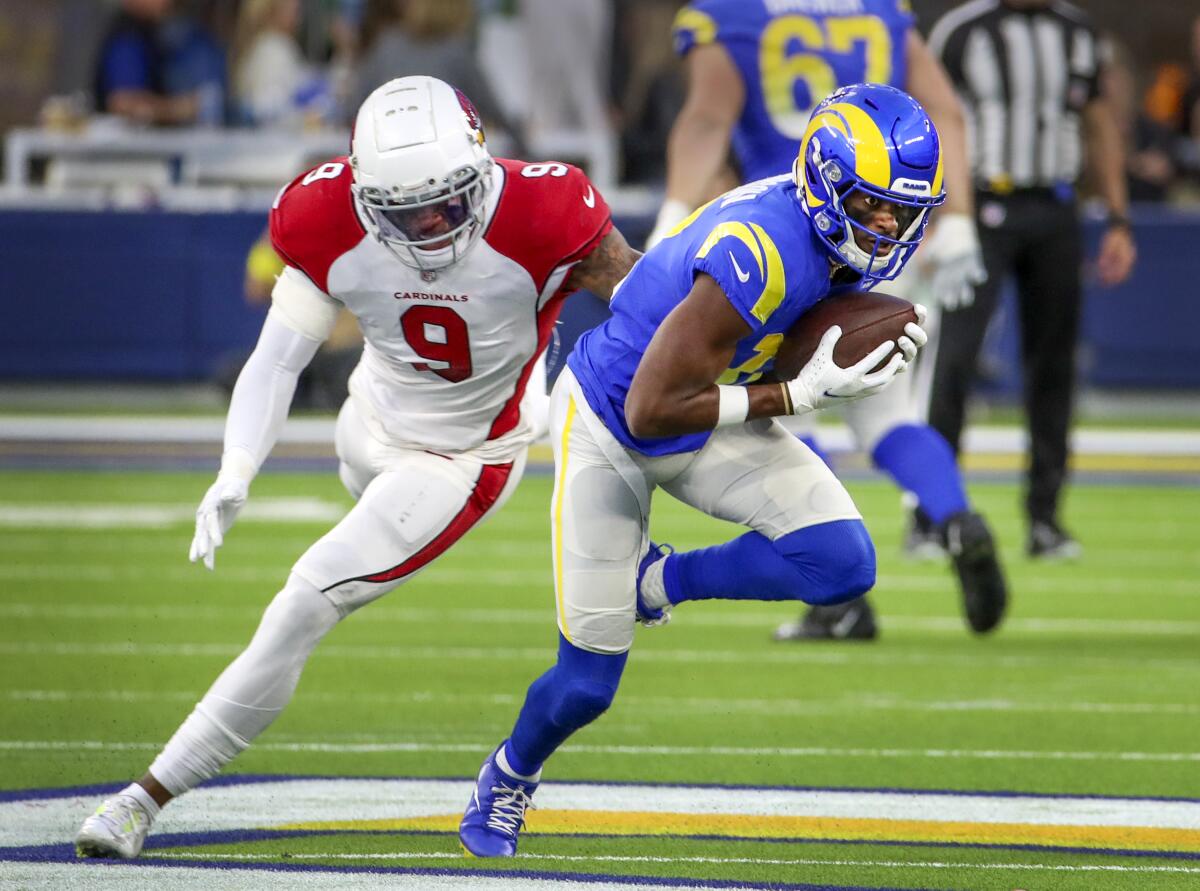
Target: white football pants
412	506
756	474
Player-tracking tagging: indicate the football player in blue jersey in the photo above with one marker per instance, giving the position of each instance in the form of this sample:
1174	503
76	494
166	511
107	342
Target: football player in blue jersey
755	69
676	390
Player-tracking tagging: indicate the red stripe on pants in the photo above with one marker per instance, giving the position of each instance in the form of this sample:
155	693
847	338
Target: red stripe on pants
488	487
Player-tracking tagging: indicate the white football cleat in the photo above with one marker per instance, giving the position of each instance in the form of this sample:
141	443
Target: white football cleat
117	829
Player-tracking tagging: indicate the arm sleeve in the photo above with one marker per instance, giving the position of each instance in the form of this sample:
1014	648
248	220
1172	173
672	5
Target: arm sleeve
262	396
302	306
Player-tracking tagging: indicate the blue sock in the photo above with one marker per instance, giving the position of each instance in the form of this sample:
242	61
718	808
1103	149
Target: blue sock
572	694
920	460
823	564
812	443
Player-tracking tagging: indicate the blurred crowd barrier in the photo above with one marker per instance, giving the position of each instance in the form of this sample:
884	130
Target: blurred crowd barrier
158	295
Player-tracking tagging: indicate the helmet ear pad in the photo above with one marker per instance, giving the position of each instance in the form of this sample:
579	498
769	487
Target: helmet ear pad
418	144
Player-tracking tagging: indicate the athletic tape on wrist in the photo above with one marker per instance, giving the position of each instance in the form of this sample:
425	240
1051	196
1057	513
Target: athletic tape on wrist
733	406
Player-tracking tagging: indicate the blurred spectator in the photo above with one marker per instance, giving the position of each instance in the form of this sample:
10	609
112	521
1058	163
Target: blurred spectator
570	43
195	64
1149	146
1164	96
433	37
1191	99
130	78
273	84
647	83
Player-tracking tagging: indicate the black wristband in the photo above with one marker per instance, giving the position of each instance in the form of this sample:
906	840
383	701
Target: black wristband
1118	221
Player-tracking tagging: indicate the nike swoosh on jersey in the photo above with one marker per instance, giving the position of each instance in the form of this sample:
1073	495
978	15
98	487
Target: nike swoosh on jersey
590	198
742	276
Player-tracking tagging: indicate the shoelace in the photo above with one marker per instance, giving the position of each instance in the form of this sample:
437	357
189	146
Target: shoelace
507	813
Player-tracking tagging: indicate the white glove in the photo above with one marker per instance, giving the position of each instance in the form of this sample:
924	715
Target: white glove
670	215
914	337
953	261
216	513
823	382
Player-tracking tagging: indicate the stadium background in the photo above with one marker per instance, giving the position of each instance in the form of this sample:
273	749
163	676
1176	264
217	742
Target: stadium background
125	300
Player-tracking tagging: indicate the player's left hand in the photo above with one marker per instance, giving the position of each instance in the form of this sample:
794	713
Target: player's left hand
215	515
1117	256
913	338
954	261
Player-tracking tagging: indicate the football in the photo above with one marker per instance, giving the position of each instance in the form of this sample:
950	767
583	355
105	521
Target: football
867	319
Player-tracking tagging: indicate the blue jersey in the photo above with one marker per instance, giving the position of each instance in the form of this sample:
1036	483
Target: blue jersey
759	245
792	54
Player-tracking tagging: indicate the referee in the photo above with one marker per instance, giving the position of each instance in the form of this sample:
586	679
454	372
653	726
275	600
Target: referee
1027	72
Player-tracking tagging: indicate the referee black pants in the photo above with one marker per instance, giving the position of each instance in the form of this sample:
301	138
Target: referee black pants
1035	238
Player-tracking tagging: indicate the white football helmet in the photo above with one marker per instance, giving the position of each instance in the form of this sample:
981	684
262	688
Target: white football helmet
422	171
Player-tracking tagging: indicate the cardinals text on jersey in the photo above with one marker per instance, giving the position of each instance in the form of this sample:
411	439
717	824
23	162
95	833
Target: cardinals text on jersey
445	362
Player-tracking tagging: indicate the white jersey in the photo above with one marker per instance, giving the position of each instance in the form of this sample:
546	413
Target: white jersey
445	362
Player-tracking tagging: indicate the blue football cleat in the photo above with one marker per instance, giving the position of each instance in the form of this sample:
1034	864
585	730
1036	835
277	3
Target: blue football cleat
650	616
496	812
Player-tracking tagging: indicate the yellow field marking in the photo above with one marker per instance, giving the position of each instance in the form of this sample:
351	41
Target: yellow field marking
1088	461
749	826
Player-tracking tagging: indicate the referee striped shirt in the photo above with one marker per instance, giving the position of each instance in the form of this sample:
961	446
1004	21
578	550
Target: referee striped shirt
1024	76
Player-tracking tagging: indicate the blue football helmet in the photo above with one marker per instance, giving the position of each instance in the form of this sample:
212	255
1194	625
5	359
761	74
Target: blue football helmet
866	144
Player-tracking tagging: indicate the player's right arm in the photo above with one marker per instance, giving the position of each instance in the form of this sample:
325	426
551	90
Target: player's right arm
300	319
699	141
673	393
311	223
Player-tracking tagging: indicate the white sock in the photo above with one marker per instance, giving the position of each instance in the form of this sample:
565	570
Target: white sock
502	763
142	797
653	590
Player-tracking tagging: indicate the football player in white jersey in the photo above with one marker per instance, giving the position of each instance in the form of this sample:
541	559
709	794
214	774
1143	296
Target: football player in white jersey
456	265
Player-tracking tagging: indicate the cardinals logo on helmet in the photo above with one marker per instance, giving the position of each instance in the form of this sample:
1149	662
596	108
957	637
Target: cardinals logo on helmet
468	108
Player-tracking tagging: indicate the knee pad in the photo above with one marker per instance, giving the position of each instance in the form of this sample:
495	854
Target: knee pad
300	612
835	562
581	701
586	682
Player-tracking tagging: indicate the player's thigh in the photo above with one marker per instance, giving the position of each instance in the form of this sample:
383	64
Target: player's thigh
411	513
353	442
598	520
762	477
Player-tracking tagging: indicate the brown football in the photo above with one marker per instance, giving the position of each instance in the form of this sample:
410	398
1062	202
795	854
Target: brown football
867	319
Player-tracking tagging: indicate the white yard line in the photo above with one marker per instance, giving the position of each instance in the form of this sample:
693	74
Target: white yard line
767	656
837	437
394	747
658	704
59	515
166	612
99	572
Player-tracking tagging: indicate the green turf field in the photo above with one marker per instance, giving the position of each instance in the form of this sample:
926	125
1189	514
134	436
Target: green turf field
108	635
